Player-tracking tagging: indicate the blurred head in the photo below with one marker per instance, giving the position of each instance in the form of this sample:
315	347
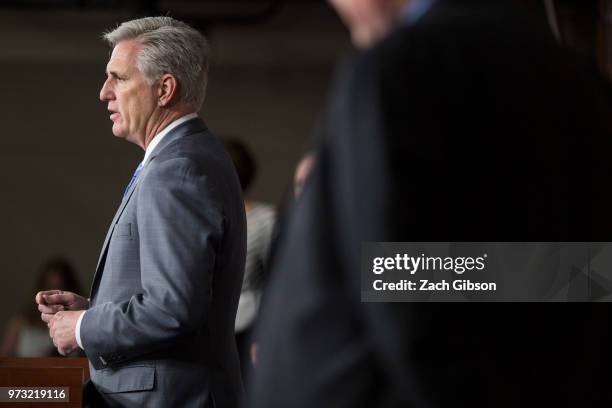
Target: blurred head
157	65
243	160
57	273
368	20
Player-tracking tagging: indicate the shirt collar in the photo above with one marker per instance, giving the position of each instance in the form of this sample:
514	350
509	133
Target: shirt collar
414	10
158	137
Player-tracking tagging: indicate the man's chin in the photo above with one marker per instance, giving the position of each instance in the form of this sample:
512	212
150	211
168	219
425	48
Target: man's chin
119	133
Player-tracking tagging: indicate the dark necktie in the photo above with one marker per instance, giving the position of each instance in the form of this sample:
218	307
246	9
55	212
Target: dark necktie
134	177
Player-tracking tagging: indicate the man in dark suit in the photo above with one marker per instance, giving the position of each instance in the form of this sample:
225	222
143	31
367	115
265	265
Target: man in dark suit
457	121
158	328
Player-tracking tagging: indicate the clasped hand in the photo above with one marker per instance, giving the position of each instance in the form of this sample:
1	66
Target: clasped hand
61	311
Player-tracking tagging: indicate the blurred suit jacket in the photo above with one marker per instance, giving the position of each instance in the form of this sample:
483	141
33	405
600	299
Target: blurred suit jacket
160	330
471	125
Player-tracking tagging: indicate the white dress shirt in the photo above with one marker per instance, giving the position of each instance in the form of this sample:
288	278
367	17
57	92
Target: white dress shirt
156	139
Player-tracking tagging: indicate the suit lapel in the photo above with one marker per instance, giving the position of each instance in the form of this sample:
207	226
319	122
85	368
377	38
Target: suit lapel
191	126
124	202
109	233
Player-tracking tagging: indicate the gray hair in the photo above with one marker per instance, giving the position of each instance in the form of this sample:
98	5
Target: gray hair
169	47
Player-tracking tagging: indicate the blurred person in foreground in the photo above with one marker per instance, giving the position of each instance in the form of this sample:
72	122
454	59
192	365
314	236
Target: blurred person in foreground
260	220
456	121
26	334
158	329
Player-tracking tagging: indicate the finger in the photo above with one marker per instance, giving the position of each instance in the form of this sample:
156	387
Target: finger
62	298
55	323
46	317
51	309
40	296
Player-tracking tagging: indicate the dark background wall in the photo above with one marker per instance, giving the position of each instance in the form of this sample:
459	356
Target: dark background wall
62	171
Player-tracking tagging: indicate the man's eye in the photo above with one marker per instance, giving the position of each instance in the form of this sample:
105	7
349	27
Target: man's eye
117	77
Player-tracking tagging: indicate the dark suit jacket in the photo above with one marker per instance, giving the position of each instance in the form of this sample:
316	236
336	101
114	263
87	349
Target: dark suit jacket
160	330
471	125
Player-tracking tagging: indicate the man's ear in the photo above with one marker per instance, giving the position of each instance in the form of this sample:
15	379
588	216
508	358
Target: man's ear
168	90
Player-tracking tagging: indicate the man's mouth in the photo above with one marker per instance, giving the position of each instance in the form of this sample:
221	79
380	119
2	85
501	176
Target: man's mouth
113	115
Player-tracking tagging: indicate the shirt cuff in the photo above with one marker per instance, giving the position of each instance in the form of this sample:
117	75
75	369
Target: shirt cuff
77	331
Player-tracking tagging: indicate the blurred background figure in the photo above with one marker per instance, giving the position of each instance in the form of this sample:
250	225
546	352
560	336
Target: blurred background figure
301	174
26	334
302	171
300	177
261	218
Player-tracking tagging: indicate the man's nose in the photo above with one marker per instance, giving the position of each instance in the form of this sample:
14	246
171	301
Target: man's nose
105	93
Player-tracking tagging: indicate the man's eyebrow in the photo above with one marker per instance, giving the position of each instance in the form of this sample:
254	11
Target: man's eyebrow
112	73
